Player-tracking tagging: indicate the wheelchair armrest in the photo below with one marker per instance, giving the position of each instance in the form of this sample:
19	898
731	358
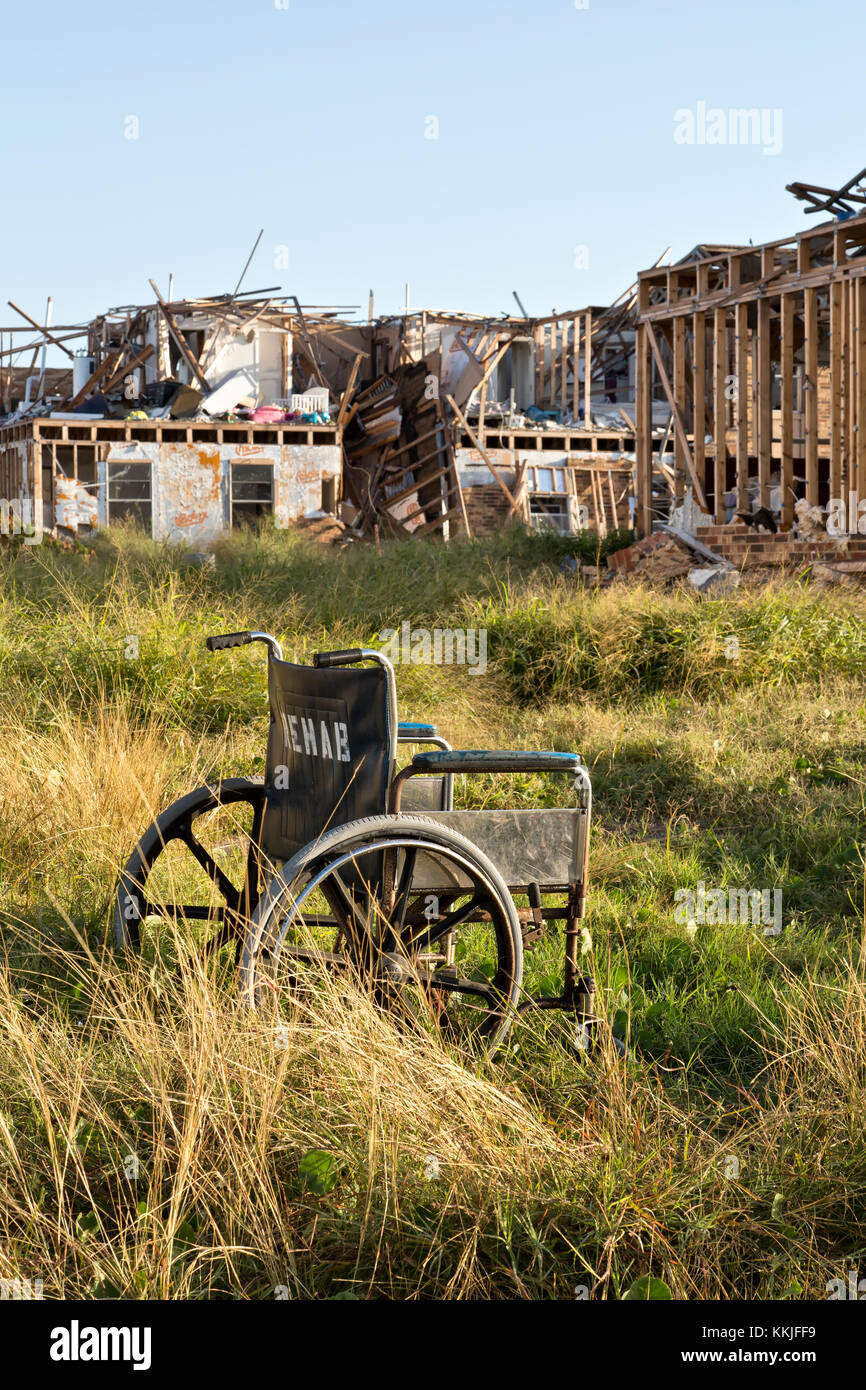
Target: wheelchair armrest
493	760
407	732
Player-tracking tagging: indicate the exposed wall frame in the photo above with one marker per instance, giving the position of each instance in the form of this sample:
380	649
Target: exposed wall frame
786	418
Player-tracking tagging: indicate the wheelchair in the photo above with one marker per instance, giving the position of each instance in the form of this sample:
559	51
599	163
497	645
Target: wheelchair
337	861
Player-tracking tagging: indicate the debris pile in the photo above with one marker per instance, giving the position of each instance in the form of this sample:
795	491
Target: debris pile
657	557
228	357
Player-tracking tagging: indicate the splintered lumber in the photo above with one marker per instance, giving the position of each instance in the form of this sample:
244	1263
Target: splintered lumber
697	546
40	329
677	418
308	345
109	364
515	506
179	339
462	501
347	394
130	366
612	498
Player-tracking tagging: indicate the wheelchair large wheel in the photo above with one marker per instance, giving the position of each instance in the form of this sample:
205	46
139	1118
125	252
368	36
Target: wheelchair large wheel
407	907
198	865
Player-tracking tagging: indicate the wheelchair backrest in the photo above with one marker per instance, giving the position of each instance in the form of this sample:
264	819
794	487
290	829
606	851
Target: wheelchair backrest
331	750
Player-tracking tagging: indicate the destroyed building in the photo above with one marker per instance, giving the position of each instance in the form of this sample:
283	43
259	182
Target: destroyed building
759	352
468	422
180	417
191	417
729	383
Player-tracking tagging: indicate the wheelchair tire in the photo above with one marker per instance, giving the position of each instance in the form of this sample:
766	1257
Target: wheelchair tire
393	950
172	835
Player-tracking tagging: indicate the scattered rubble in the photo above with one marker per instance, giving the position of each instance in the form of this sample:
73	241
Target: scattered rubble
716	580
811	522
851	573
657	557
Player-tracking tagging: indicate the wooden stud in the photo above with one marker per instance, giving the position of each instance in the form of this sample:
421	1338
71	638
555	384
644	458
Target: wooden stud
811	351
554	331
679	387
851	388
787	472
859	290
482	413
720	372
699	392
837	334
563	374
764	420
741	322
587	369
515	506
643	395
679	424
350	387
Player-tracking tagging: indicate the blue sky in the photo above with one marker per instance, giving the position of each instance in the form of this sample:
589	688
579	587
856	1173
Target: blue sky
555	132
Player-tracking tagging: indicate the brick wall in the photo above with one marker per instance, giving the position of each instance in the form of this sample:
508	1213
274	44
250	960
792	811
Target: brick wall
745	547
487	508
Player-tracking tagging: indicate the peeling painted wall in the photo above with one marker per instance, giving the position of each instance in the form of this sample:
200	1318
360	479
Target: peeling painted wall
189	499
298	478
190	484
74	504
474	471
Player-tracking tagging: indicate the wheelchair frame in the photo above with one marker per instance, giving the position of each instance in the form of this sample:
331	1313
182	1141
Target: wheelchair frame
531	852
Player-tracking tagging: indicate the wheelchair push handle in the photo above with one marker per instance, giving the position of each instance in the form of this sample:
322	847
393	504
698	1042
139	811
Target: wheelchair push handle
344	658
240	639
228	639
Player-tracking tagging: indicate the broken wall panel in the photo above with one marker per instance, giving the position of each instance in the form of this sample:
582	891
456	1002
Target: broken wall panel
182	485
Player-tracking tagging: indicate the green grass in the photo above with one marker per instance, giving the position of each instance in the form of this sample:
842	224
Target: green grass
725	1155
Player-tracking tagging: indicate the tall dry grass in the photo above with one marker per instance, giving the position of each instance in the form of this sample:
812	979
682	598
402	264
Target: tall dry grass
725	1155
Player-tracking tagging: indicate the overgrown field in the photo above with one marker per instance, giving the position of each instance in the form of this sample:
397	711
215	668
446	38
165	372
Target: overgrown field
153	1135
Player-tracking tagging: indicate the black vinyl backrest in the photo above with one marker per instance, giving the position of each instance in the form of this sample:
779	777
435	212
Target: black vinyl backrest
331	748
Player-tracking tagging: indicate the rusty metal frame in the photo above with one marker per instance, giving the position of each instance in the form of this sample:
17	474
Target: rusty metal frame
578	990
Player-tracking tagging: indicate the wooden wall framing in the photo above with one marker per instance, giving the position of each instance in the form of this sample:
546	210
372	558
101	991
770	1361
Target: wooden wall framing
761	352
